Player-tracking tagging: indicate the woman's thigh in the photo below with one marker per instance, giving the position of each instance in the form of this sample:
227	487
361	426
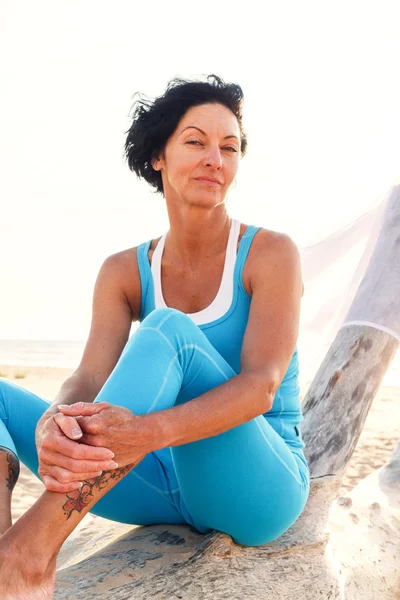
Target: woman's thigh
246	481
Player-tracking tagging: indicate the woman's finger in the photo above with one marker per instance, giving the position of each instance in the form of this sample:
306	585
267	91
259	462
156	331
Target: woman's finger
91	440
69	426
60	443
86	409
52	485
75	466
66	477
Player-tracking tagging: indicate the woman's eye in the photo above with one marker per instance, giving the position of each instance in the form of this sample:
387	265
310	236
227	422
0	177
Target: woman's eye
197	143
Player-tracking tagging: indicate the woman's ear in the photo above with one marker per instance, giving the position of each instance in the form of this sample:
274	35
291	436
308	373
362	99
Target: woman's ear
157	162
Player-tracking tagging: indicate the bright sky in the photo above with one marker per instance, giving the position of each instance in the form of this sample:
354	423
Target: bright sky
322	101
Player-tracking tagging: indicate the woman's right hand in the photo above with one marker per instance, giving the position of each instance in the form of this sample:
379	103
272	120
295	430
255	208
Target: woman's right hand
64	462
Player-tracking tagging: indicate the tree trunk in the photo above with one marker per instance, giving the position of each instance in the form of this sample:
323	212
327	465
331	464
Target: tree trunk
339	398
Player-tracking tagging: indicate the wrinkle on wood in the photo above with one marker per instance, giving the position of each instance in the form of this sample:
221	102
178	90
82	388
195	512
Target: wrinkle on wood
355	558
162	561
364	531
339	398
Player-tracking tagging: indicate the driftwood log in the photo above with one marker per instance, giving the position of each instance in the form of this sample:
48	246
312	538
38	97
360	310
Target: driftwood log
345	548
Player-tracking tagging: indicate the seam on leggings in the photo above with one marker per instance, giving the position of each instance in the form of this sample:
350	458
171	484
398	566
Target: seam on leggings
162	335
164	383
278	455
154	487
168	316
174	359
196	347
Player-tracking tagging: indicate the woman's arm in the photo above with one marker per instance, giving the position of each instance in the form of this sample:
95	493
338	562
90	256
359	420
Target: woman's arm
111	321
116	303
268	346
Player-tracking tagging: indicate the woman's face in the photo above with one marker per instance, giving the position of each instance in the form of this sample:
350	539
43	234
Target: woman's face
205	146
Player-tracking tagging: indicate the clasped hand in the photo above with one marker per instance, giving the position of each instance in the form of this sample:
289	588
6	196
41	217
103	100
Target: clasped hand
83	440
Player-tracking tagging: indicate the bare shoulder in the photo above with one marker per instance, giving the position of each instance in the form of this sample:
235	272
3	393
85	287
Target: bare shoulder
272	254
121	271
274	244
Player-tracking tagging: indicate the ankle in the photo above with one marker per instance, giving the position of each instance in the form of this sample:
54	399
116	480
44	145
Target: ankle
26	544
16	554
5	518
4	528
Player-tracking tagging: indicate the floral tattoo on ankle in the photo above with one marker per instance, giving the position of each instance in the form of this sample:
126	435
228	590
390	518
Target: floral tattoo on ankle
79	499
13	470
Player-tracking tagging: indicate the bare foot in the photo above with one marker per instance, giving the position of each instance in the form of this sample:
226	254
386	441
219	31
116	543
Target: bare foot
21	579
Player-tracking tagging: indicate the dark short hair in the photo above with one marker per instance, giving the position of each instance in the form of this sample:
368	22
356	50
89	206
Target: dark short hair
154	121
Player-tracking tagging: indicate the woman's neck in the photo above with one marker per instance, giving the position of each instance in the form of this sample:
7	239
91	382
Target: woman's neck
190	242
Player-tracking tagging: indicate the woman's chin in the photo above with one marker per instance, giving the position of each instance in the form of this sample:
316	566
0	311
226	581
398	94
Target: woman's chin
207	199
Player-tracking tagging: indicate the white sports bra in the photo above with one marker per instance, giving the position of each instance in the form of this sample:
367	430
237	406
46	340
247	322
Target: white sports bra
223	300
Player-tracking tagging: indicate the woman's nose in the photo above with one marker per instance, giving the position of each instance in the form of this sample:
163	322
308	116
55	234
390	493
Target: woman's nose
214	158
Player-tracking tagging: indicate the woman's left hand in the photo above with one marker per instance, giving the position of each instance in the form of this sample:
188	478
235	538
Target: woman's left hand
131	437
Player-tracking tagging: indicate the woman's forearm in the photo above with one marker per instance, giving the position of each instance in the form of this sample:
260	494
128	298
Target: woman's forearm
79	387
228	405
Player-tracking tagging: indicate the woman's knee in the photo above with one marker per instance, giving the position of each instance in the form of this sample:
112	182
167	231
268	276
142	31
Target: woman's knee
167	327
161	316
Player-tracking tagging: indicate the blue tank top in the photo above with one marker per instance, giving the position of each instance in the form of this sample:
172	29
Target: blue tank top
226	335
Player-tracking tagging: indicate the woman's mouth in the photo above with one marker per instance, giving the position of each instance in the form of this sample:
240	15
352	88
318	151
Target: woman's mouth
208	180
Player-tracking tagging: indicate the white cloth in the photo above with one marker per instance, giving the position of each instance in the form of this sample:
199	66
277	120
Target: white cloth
332	271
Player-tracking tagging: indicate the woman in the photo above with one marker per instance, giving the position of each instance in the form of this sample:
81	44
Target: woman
196	418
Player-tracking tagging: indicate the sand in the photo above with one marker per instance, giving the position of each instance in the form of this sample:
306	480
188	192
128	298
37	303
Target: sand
376	443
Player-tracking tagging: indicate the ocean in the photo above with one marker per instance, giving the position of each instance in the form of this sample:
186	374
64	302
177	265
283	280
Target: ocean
68	353
38	353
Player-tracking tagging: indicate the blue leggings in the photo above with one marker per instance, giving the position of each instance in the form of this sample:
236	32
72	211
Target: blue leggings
246	481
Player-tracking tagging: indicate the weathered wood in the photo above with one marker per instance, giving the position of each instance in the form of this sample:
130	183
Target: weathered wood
177	562
358	562
339	398
364	530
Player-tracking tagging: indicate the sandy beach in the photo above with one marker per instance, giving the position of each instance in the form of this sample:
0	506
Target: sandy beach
377	441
